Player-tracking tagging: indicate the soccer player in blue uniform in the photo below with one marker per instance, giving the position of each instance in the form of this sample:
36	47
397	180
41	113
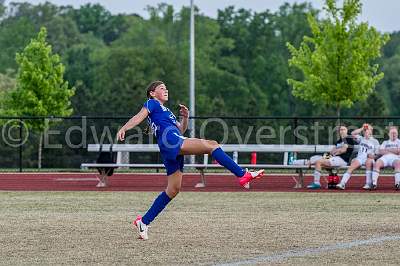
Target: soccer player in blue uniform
173	146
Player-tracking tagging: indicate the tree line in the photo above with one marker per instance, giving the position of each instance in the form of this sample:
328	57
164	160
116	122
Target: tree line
241	58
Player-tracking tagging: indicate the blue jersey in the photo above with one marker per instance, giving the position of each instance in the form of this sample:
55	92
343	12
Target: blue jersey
161	120
169	138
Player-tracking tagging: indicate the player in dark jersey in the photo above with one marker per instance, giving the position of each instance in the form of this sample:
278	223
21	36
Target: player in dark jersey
173	146
339	156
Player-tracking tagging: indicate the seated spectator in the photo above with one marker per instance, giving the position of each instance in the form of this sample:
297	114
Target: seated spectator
368	147
390	150
338	156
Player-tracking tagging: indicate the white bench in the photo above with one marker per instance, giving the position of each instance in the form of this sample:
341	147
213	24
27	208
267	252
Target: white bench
235	148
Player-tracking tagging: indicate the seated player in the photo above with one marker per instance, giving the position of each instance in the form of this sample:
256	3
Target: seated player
390	150
338	156
368	147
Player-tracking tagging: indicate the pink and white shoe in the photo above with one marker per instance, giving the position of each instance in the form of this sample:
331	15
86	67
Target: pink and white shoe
244	181
141	227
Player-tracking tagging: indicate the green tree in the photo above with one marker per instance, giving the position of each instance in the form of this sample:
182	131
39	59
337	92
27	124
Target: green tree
374	106
22	22
2	8
14	36
390	85
255	49
95	19
80	72
41	89
393	45
91	18
337	60
7	83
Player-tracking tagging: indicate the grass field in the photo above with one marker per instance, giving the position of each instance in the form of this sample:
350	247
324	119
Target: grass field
200	228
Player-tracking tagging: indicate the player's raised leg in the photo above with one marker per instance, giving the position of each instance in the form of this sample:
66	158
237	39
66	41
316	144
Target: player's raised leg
194	146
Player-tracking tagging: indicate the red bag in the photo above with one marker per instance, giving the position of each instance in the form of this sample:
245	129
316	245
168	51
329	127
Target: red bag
333	180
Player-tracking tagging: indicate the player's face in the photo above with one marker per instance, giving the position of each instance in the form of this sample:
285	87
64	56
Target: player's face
393	134
368	132
160	93
343	132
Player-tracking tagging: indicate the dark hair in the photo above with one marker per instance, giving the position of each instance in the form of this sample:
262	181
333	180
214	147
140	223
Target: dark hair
152	86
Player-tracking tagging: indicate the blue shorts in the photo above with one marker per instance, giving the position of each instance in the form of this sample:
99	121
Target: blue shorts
170	147
173	165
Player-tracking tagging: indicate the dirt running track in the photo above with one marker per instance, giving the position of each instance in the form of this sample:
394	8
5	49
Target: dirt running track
157	182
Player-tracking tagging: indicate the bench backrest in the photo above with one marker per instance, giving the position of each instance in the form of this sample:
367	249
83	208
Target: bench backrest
235	148
277	148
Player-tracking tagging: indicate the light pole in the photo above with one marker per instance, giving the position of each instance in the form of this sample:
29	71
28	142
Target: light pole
192	83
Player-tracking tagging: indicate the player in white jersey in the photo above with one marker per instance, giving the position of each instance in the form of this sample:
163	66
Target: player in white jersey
368	147
390	150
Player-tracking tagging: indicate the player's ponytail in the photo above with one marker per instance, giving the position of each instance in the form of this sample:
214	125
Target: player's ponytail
152	86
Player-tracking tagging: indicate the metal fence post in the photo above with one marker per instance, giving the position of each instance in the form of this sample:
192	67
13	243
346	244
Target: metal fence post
294	130
20	144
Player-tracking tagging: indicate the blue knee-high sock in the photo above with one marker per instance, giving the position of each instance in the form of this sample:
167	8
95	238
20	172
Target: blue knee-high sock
223	159
158	205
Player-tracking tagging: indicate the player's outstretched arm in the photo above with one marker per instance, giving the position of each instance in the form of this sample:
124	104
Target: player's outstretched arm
134	121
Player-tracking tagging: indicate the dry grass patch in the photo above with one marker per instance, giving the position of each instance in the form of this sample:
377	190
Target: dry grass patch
196	228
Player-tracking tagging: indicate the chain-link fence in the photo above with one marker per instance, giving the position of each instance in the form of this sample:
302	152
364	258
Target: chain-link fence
65	139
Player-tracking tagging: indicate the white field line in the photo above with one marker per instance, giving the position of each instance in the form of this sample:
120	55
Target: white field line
312	251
